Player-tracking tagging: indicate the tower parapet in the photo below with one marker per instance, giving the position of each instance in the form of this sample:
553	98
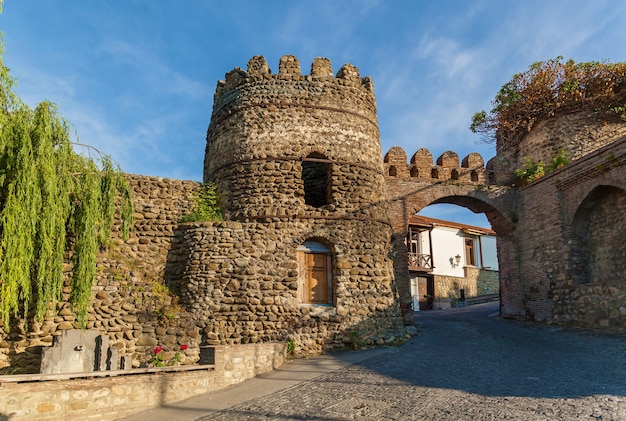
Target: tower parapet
267	130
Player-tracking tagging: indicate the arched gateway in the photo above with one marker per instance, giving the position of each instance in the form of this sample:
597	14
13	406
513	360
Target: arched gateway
464	183
560	236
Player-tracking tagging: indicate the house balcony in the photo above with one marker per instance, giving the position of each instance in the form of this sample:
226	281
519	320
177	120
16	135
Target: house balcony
420	262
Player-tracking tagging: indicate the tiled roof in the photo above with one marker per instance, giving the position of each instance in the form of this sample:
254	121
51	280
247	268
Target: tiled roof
425	221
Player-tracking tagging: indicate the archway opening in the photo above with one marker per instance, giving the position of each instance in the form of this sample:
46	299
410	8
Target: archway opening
453	254
599	227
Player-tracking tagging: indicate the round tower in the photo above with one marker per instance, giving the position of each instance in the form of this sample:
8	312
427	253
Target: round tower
293	145
297	161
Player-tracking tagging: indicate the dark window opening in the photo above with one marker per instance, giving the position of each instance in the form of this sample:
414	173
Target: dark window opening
414	172
392	171
316	178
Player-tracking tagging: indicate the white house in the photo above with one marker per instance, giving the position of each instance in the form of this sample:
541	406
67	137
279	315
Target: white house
450	260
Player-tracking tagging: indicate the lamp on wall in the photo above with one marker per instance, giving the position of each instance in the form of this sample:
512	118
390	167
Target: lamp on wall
454	259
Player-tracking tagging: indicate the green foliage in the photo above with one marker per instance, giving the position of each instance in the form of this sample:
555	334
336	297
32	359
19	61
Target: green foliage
561	159
206	205
532	170
548	87
54	204
291	345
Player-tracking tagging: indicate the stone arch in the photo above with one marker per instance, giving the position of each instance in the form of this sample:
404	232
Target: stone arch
407	201
393	171
414	172
499	221
598	228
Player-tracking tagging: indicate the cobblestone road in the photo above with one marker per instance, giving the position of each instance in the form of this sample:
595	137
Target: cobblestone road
465	365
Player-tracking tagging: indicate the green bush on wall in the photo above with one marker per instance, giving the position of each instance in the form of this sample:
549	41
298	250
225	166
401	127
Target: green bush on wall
206	205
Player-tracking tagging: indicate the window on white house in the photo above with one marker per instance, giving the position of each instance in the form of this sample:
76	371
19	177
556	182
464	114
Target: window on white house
470	253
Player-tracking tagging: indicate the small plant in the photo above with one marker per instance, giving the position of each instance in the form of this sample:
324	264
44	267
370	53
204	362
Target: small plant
561	159
355	342
157	358
531	171
291	345
206	205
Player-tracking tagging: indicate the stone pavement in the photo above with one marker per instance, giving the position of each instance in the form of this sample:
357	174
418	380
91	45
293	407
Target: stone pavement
465	364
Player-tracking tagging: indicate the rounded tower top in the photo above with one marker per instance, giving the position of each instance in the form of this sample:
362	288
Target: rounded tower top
289	143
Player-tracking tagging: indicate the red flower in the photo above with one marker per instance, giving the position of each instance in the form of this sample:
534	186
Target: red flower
183	347
157	350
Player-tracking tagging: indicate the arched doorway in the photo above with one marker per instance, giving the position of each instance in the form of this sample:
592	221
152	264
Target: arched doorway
598	232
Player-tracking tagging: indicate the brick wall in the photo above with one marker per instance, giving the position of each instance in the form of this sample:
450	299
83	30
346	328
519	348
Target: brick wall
570	236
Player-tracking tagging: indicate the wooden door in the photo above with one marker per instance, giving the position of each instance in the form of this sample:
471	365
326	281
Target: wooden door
316	278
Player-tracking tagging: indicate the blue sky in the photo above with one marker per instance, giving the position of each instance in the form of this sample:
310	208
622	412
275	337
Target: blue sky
136	78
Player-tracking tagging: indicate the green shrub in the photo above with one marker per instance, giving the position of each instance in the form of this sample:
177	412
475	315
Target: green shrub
206	205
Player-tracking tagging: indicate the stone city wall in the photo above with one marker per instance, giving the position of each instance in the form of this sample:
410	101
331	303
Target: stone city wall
570	233
60	397
130	303
578	133
411	187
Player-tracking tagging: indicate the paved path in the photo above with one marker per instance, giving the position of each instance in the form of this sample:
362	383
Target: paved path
465	364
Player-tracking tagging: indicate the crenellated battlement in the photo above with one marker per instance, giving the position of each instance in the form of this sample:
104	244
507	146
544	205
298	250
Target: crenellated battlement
422	167
257	86
289	70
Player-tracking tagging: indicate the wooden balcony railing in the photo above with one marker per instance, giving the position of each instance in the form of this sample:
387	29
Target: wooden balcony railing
420	262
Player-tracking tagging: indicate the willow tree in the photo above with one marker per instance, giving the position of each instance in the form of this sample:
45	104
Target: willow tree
55	206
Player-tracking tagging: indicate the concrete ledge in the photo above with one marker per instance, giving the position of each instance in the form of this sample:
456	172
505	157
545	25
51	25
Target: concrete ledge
122	393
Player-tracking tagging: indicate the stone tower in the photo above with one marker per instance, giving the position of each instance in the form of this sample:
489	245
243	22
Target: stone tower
297	161
296	146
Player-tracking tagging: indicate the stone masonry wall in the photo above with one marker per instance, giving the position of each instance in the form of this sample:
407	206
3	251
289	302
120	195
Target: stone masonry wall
578	133
247	276
130	302
475	282
119	396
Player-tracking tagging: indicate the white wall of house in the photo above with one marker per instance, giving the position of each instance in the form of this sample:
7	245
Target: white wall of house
447	243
